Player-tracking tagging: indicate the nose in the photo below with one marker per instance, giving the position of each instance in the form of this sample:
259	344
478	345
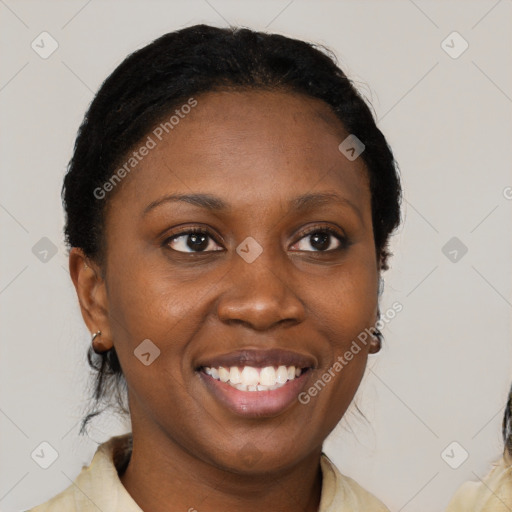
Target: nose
260	295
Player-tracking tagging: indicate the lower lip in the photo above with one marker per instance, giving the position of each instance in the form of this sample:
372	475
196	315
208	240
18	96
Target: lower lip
256	403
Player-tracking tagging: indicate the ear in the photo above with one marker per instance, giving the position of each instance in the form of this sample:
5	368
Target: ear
92	295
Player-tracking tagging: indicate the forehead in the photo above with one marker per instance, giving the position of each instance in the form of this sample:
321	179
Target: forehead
252	147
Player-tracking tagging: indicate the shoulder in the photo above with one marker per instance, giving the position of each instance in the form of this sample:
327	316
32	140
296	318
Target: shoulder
98	485
62	501
341	493
493	492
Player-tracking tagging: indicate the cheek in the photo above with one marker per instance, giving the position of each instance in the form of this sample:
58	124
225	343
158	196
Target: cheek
143	302
146	302
147	320
348	305
344	316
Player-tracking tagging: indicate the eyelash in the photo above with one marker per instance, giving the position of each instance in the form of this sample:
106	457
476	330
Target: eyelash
344	241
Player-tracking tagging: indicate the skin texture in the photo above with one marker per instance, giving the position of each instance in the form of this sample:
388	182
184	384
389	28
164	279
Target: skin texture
256	150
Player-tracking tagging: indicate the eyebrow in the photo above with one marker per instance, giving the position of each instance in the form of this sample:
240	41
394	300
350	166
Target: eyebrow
206	201
213	203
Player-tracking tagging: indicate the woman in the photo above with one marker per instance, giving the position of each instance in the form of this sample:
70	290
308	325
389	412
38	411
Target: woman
229	205
494	492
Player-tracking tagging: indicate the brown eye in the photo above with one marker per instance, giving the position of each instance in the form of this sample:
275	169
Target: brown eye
324	239
191	240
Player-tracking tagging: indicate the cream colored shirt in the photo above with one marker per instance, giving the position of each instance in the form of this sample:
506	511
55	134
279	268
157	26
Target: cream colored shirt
492	494
98	486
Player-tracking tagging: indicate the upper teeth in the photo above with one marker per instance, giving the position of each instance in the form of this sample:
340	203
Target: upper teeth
254	379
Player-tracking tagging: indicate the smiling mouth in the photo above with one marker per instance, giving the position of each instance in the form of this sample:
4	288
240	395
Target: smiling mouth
251	379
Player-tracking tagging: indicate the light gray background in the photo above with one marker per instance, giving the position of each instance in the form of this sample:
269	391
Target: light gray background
444	372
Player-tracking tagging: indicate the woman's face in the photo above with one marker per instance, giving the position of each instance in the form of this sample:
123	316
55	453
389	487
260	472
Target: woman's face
264	286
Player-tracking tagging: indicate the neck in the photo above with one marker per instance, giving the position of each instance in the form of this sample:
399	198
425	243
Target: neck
161	473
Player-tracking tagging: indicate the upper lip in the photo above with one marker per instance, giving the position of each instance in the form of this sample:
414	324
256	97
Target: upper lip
259	359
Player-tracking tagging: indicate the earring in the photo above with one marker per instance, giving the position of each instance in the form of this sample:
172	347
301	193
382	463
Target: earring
98	347
376	343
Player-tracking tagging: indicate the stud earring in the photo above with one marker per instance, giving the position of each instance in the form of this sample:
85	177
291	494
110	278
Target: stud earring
376	343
